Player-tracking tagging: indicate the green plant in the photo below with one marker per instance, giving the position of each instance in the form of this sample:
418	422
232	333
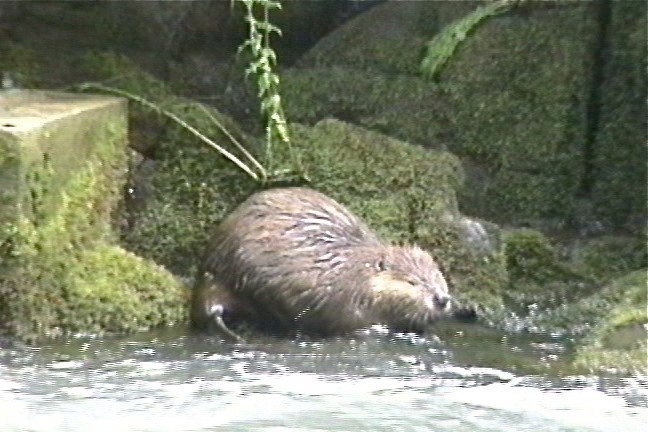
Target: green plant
446	42
154	107
264	59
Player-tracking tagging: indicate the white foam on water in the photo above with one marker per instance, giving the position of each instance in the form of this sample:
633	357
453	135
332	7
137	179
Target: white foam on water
586	409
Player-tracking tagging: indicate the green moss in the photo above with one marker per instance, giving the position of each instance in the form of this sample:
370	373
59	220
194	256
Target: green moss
113	290
585	306
123	73
444	44
174	232
58	275
561	292
401	106
404	30
511	101
531	256
620	152
618	341
29	256
607	257
192	186
629	290
511	90
547	291
40	249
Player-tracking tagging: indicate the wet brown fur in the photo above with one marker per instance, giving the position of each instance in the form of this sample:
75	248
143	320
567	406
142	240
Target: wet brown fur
295	259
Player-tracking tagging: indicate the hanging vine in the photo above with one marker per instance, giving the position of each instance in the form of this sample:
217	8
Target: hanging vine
262	66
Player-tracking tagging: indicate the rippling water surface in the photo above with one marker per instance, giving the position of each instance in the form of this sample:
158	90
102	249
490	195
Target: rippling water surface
465	378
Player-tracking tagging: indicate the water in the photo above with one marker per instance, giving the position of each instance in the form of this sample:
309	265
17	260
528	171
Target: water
465	378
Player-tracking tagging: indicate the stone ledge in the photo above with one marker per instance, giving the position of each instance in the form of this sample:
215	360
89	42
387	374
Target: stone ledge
44	138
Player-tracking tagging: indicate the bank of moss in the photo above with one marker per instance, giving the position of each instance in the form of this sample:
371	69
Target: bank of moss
401	106
39	249
542	283
608	257
618	341
552	289
505	102
50	258
570	292
620	148
557	289
112	290
190	188
184	186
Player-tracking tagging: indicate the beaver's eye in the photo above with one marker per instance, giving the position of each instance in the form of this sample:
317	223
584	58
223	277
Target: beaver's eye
380	265
411	282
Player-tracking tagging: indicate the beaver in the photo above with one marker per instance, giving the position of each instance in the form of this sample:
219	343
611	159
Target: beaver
294	259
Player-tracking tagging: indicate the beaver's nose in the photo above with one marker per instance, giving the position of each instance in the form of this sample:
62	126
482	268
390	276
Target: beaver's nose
441	300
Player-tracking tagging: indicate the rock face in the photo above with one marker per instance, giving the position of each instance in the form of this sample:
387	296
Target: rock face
62	165
514	102
618	183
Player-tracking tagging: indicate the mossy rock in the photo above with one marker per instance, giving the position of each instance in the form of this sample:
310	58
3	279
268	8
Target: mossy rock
173	229
618	341
551	290
149	129
63	277
530	255
112	290
402	106
73	193
184	186
511	101
557	288
58	272
545	286
610	256
619	169
191	187
516	89
405	28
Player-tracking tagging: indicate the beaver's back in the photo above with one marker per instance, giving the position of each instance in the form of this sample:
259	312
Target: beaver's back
287	250
295	259
278	225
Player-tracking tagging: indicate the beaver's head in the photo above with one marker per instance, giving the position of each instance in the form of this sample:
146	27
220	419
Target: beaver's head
409	287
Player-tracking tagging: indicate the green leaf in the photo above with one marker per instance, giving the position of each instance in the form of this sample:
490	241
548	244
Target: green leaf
442	46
